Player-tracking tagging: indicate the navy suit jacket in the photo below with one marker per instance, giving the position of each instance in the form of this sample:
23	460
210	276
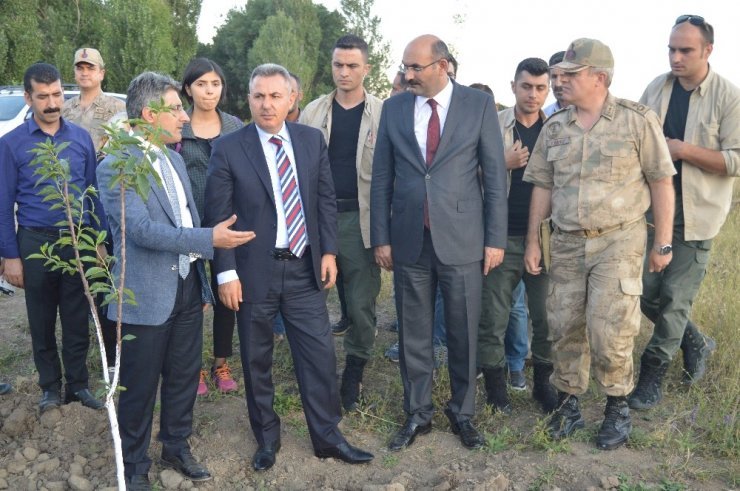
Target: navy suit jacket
153	244
239	182
465	186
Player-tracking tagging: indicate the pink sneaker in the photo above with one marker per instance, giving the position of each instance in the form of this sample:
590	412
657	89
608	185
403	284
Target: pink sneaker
222	378
202	387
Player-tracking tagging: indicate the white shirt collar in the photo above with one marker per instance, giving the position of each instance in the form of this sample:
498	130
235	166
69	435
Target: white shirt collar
443	97
265	136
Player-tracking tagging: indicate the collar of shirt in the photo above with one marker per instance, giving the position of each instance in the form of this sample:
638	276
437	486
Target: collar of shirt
265	136
185	216
34	126
443	98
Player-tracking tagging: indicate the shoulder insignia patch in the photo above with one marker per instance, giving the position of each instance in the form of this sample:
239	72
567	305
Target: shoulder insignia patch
554	128
635	106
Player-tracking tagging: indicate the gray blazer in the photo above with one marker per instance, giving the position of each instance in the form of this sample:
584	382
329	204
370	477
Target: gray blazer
465	185
153	244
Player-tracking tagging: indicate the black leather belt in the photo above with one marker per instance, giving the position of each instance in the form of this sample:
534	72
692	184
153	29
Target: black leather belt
347	205
50	231
283	254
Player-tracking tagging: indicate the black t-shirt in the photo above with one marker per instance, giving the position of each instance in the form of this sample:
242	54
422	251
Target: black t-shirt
521	191
345	131
675	123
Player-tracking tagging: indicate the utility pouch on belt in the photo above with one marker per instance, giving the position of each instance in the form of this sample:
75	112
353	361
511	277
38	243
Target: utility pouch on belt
545	232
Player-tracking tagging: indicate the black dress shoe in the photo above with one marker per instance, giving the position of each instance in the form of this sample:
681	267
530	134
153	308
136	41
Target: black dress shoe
50	400
407	434
84	397
469	436
184	463
138	482
264	457
346	453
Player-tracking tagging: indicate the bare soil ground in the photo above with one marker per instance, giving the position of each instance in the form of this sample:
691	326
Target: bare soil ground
70	448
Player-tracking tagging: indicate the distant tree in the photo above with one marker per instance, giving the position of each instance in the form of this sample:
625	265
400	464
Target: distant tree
233	46
333	27
184	17
361	22
138	38
292	41
20	43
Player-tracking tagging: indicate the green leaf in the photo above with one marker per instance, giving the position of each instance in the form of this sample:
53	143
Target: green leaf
128	337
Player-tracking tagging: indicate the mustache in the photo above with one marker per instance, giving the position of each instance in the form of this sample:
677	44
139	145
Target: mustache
52	110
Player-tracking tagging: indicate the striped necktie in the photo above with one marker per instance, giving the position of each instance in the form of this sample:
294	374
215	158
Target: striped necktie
169	187
294	220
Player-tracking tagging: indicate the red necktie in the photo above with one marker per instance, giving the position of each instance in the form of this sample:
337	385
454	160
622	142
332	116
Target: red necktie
432	145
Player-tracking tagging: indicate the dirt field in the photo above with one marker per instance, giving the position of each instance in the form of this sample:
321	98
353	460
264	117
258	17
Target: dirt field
70	448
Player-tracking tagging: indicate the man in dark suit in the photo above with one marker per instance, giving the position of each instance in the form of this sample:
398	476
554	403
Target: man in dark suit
276	177
438	216
165	270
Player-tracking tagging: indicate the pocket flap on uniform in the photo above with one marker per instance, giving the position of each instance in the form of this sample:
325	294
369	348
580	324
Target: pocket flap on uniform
631	286
558	152
702	256
615	149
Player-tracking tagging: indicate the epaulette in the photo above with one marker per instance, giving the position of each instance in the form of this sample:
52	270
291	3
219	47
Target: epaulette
635	106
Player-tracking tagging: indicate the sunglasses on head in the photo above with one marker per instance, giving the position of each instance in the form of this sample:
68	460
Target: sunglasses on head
695	20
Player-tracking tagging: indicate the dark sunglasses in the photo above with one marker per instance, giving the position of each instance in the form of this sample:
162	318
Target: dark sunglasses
695	20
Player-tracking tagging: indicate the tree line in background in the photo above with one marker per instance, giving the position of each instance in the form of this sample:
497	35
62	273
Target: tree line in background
160	35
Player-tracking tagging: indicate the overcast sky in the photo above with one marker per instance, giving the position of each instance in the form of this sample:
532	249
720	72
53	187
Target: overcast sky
489	38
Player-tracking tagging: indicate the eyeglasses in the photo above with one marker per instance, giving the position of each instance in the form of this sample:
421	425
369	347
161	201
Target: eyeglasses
694	20
403	68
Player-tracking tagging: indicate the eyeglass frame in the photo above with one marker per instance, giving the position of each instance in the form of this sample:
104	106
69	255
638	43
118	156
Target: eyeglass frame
403	68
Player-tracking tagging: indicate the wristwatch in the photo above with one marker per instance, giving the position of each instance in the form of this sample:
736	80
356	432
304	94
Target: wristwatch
663	250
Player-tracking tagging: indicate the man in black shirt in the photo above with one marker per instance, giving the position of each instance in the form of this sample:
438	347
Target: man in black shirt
520	126
349	117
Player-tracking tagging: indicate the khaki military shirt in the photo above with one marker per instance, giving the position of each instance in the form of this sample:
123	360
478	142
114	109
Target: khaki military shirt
318	115
94	117
599	177
713	122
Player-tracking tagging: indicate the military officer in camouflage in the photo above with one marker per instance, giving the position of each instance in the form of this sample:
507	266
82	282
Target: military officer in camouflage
596	168
91	109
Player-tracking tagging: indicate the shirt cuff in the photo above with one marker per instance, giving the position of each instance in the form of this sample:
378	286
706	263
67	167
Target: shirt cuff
226	276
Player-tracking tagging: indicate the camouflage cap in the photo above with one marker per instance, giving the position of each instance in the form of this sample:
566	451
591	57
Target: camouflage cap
583	53
89	55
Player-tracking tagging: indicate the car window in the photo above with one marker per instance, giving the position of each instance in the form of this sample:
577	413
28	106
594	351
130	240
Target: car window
10	106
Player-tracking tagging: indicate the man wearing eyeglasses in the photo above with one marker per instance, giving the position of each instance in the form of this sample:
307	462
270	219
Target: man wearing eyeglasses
596	168
165	248
700	112
431	224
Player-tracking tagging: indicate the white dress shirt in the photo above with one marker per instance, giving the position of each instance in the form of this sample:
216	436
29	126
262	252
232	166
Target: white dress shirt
270	151
423	111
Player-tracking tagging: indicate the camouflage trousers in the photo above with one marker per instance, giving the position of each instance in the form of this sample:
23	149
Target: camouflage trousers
593	308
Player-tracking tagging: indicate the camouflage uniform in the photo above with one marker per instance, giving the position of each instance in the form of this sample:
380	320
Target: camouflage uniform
598	180
93	117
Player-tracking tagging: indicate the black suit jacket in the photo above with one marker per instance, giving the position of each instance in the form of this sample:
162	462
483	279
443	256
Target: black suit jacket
239	182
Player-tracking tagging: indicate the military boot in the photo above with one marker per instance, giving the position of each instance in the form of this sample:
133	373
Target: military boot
543	391
649	392
566	419
617	425
351	386
696	349
496	395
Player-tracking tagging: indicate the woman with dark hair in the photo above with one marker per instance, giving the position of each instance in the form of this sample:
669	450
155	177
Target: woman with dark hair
204	87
